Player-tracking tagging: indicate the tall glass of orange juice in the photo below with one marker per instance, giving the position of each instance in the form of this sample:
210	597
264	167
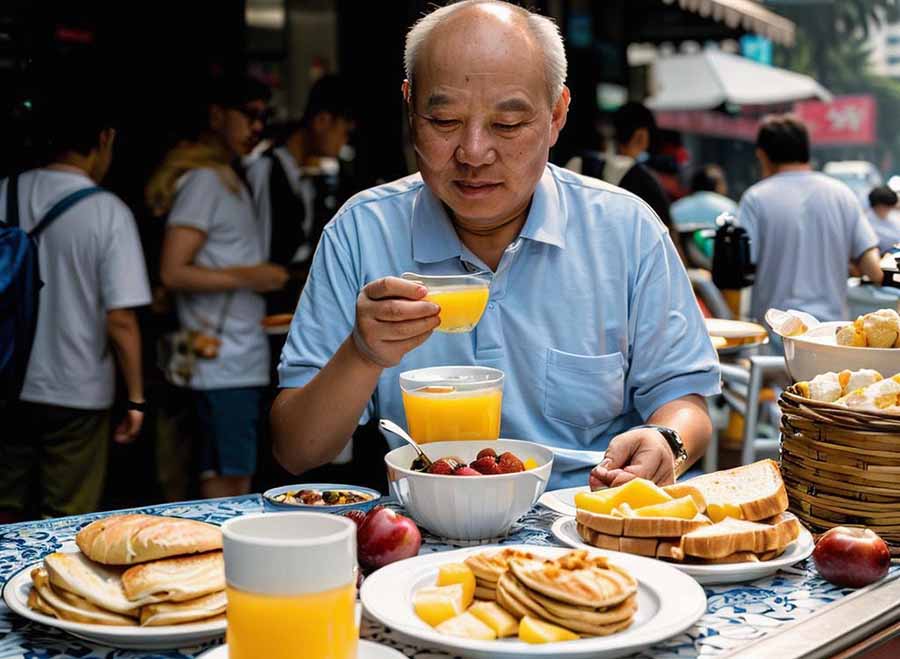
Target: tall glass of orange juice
291	586
448	403
462	298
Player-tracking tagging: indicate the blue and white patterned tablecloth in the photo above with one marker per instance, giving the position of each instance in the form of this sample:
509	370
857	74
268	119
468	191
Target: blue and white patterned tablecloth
736	614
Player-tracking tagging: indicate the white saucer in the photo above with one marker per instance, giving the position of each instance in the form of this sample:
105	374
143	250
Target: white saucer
564	530
367	650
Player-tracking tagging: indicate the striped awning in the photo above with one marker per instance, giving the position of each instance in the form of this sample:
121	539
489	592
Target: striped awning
745	14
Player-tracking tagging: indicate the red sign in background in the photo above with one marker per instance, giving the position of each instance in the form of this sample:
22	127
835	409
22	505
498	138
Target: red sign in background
846	120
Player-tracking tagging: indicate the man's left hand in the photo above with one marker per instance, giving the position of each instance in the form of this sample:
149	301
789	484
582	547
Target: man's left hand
639	453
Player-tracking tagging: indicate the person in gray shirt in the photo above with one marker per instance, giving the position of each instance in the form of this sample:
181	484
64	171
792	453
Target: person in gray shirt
805	228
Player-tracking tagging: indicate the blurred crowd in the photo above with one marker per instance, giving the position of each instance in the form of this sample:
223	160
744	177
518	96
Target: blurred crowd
175	339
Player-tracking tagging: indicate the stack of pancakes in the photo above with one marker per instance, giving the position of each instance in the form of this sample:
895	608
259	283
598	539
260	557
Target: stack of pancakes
583	594
135	569
488	568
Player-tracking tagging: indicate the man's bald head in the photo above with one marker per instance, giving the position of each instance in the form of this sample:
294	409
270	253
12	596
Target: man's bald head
474	21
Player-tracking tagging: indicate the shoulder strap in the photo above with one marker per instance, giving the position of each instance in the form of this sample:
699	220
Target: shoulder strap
12	200
61	207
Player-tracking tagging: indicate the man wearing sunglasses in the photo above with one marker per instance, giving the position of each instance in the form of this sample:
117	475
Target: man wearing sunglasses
214	260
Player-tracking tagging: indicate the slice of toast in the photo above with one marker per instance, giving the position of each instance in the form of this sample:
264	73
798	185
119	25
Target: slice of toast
639	546
640	527
734	535
661	527
754	491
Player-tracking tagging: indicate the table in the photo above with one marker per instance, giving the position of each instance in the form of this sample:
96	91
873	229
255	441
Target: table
736	615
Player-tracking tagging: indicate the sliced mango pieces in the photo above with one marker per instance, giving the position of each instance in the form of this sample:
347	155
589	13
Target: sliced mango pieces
637	493
538	631
453	573
467	626
436	604
495	617
683	508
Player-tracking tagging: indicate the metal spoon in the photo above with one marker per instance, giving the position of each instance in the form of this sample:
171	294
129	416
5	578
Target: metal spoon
392	427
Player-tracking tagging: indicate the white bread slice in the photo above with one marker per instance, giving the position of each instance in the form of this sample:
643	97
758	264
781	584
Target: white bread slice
639	546
672	551
607	524
661	527
735	535
756	489
640	527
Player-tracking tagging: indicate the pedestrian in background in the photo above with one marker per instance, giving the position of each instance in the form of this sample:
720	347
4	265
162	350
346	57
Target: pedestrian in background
91	264
884	217
805	228
214	260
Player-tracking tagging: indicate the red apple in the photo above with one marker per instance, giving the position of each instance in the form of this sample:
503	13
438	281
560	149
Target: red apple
385	537
357	516
851	557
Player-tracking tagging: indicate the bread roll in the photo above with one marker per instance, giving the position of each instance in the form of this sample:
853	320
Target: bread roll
131	539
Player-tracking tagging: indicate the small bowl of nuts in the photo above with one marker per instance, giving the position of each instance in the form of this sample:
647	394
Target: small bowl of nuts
320	497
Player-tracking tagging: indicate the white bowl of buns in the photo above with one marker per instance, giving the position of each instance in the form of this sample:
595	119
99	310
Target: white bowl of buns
870	342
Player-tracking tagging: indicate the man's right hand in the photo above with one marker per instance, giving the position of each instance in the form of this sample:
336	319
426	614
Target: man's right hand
267	277
392	318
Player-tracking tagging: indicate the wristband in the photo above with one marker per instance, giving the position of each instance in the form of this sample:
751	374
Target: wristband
137	407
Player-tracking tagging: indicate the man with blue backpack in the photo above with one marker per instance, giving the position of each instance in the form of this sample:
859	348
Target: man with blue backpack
71	272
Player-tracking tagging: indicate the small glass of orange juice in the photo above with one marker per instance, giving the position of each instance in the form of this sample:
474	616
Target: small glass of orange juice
462	298
447	403
291	586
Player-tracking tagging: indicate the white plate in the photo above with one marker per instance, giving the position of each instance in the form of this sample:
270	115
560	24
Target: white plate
15	594
562	501
668	603
564	530
367	650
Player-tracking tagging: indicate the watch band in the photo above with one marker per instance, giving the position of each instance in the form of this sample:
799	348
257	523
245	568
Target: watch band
138	407
673	439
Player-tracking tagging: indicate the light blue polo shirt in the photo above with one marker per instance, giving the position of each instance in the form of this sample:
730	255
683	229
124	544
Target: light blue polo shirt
591	315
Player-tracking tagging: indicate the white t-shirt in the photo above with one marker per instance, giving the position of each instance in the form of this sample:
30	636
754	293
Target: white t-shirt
233	238
91	263
804	228
887	229
258	174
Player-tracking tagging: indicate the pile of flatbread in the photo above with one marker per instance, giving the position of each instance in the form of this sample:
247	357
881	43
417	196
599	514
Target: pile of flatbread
584	594
135	570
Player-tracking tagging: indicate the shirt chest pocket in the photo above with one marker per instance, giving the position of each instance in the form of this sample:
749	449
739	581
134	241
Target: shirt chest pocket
584	390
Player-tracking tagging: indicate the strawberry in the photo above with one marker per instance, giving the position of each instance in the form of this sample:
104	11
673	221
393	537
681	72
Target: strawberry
466	471
509	463
486	465
487	452
441	467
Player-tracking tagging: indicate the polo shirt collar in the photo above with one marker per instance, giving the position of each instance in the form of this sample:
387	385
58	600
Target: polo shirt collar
434	238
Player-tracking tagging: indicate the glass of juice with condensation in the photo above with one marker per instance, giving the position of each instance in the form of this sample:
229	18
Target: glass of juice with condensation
291	586
462	298
446	403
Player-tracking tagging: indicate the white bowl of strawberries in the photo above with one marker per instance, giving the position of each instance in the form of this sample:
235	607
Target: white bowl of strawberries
474	490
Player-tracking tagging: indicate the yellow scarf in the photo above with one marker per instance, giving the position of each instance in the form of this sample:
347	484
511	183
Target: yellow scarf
184	157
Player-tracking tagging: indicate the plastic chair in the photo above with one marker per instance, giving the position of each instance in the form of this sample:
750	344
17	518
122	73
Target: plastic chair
741	390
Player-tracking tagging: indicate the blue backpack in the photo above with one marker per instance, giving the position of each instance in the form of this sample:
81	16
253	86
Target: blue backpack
20	285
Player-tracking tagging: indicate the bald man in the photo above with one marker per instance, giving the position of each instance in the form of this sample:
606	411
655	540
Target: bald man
591	316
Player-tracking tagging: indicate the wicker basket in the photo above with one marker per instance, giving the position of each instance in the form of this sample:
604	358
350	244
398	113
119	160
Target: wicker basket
841	466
